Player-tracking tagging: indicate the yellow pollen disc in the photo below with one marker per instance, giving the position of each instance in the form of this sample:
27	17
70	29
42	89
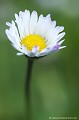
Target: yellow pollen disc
31	41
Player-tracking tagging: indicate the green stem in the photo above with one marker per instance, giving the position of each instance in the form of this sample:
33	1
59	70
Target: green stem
27	86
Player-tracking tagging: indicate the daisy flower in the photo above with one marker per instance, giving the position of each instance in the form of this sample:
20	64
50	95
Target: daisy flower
34	35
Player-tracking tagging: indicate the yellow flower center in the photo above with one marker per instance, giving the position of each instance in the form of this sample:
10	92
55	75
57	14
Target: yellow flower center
31	41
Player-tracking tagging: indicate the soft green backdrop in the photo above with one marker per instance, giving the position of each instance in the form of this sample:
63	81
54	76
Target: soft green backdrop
55	78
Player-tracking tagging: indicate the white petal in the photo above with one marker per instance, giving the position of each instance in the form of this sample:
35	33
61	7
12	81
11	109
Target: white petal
23	21
59	29
13	34
60	36
62	47
20	25
27	21
24	49
43	26
17	48
40	21
8	24
33	21
10	37
56	39
50	31
60	42
48	16
27	52
54	33
19	54
54	24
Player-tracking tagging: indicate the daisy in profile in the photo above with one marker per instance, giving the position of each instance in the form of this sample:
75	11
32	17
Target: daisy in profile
34	35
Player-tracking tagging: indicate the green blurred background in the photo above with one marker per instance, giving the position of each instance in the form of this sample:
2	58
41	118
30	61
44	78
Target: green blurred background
55	78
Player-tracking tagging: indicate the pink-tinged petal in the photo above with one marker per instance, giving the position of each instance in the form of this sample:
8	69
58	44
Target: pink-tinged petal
56	47
35	49
53	48
43	52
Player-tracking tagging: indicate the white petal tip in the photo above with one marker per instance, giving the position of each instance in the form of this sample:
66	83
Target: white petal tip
18	54
48	15
8	24
62	47
60	42
54	23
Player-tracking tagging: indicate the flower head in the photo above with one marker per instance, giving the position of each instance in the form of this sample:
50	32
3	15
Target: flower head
34	36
